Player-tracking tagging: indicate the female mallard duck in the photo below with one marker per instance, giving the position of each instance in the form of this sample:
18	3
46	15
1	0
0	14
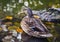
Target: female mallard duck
34	26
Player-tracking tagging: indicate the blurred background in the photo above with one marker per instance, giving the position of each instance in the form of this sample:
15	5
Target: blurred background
12	8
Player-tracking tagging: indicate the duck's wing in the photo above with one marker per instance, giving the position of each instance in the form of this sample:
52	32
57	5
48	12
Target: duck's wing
29	31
